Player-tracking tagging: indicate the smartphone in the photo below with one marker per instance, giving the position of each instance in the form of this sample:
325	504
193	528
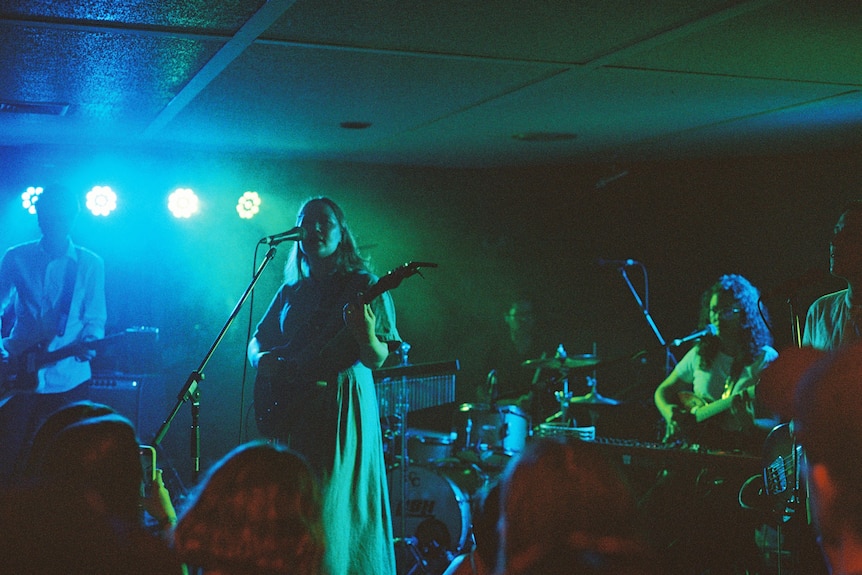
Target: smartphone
148	464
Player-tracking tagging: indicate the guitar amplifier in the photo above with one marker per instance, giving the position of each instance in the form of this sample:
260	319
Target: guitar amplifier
138	397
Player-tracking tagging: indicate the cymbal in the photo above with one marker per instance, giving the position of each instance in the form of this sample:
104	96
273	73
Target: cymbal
593	398
570	362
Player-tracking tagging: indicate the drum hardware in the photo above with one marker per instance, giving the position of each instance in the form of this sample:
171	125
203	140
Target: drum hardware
561	360
424	563
409	387
564	363
593	397
432	504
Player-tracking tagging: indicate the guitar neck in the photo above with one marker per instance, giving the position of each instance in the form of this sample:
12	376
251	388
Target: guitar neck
709	410
49	357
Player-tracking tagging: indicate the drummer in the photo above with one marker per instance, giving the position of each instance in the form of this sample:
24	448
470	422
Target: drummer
508	382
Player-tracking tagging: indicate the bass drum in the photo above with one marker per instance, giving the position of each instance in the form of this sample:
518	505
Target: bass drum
435	510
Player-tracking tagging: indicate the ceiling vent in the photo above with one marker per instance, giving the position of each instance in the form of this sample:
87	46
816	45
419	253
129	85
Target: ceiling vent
45	108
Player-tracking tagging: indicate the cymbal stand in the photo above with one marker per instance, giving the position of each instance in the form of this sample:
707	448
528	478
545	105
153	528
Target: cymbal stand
401	409
643	304
564	396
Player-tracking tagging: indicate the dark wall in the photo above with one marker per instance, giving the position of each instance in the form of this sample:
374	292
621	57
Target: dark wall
492	232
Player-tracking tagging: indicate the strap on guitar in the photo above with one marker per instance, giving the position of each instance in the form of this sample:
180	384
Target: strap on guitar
66	296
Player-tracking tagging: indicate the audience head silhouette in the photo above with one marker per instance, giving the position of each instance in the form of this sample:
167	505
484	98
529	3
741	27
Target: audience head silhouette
566	509
256	511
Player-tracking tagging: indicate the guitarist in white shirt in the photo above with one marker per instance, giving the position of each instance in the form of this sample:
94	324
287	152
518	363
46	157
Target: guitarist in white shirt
57	291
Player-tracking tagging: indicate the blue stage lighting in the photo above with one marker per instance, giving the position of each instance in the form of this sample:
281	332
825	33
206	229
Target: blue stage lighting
101	200
183	203
30	197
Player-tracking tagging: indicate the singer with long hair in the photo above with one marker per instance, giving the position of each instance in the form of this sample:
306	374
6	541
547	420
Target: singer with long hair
709	397
314	350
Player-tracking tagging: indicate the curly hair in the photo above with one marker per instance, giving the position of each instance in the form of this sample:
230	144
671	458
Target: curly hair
257	510
753	321
347	255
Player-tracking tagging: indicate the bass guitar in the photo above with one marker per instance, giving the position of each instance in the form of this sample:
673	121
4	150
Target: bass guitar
781	457
20	374
289	378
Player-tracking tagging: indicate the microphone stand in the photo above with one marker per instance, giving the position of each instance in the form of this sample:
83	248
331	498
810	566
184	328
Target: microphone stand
190	389
670	360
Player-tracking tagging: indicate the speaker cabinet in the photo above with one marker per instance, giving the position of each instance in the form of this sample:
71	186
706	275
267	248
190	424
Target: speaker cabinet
139	397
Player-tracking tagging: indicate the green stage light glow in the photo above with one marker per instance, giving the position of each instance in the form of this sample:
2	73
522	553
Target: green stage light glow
248	205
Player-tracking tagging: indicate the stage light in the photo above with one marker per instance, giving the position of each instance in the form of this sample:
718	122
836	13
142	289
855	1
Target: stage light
248	205
101	200
30	197
183	203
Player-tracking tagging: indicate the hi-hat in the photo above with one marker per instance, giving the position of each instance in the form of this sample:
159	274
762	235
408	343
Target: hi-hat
570	362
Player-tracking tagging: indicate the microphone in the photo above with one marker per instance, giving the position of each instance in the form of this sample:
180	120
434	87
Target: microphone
617	263
708	330
296	234
788	289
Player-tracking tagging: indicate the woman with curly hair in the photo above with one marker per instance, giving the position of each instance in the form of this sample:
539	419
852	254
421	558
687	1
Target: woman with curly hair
709	397
257	511
709	400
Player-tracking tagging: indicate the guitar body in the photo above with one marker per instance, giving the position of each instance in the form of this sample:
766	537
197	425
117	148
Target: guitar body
700	422
288	387
21	373
297	382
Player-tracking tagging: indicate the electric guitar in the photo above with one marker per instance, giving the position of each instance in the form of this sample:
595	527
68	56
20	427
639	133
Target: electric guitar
697	413
781	457
288	380
21	373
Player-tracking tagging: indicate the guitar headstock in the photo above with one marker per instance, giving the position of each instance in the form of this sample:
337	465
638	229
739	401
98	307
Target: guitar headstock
394	278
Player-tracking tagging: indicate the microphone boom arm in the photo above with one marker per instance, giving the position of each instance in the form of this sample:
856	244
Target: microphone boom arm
670	359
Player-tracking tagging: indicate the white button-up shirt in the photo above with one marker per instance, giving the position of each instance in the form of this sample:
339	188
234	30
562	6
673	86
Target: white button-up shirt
33	281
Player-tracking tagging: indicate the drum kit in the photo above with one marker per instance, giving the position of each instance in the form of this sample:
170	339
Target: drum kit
437	480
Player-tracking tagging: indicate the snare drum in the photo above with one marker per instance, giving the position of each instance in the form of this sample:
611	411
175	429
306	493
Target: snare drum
434	503
481	428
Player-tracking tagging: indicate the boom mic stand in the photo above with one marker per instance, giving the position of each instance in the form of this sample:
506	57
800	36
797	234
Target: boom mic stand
670	360
191	391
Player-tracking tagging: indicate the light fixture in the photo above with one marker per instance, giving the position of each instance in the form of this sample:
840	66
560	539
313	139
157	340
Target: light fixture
248	205
183	203
101	200
30	197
